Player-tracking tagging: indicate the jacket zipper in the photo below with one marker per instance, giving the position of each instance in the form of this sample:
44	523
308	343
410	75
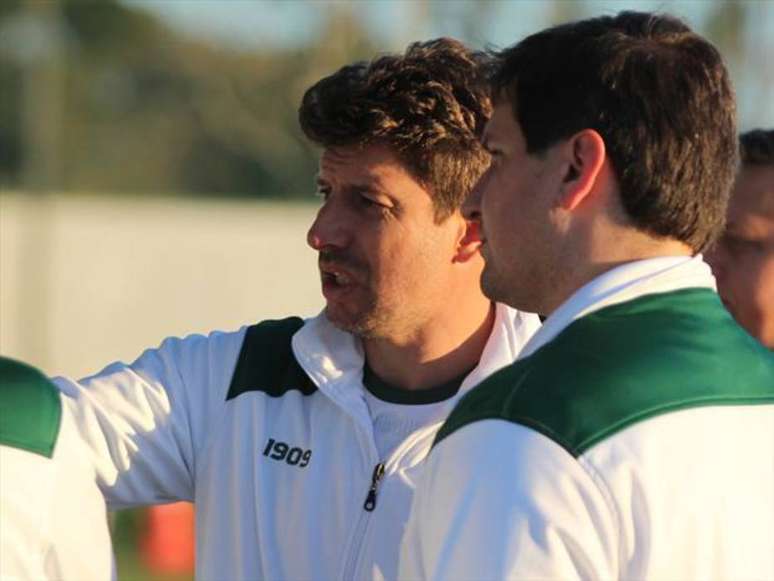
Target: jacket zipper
362	522
370	501
353	564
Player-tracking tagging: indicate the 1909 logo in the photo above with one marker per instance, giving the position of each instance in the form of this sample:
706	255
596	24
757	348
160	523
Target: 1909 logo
280	451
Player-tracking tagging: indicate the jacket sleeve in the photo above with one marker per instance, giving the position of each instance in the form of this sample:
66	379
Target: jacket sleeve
497	500
52	513
146	424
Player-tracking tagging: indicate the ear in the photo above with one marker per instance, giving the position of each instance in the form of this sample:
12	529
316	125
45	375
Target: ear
586	157
469	242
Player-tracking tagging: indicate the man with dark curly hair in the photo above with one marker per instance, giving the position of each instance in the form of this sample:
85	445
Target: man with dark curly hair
634	437
300	440
743	259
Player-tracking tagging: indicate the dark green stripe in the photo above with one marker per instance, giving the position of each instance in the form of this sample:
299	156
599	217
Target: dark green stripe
266	362
623	364
389	393
30	409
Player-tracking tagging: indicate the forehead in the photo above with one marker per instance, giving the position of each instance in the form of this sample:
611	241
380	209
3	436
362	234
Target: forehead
362	165
753	193
502	129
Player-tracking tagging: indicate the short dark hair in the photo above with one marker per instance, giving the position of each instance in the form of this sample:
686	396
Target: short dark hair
660	97
430	105
757	147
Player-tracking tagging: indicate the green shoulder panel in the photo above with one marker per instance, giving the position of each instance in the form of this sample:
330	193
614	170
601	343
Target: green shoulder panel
623	364
30	409
266	362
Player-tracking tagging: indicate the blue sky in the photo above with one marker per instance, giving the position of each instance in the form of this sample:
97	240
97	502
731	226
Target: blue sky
250	23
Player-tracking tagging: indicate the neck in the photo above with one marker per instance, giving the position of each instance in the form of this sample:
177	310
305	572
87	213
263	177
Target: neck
435	352
611	254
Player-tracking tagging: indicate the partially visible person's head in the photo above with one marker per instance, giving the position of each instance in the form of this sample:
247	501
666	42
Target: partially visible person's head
635	104
401	151
743	258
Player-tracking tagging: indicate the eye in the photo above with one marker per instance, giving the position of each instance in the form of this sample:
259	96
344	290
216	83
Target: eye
736	246
493	150
495	157
367	202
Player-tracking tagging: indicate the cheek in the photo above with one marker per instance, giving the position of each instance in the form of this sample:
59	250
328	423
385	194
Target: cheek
495	191
736	273
762	281
749	284
421	258
496	215
391	259
716	258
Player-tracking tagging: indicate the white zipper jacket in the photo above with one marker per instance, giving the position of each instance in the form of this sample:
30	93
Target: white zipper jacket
633	440
53	522
267	431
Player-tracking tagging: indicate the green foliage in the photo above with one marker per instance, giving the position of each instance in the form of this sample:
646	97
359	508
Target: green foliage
146	110
123	103
109	26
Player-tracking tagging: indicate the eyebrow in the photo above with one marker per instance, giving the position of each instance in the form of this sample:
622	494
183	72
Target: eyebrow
353	189
731	228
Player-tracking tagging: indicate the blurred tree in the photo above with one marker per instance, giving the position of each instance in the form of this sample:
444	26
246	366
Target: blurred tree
726	27
10	122
133	106
146	110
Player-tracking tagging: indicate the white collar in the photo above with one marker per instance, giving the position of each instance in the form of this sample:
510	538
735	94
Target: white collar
623	283
334	359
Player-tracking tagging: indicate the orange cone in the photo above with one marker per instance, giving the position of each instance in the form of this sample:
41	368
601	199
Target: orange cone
167	545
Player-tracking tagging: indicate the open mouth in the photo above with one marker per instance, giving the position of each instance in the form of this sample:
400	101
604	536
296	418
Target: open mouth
336	282
335	278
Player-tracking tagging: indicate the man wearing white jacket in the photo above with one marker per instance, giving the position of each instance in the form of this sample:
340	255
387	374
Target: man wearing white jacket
300	441
634	437
53	521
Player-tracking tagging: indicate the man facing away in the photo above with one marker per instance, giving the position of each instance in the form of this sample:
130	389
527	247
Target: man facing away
300	441
743	259
53	521
634	437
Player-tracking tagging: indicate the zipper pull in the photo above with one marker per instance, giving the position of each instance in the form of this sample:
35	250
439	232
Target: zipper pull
370	502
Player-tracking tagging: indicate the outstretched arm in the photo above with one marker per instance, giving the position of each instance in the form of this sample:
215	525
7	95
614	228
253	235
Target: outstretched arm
147	423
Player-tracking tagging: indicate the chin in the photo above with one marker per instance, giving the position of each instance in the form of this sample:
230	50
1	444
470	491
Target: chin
492	286
357	324
337	319
500	291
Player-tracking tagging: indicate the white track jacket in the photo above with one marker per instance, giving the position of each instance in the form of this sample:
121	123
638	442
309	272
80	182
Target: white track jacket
633	440
267	431
53	522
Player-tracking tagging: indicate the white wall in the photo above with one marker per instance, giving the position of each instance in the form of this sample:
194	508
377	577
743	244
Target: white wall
88	280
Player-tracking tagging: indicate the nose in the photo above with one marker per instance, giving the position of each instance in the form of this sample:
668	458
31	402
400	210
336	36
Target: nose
471	207
329	229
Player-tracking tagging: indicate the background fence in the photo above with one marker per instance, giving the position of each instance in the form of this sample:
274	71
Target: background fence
86	280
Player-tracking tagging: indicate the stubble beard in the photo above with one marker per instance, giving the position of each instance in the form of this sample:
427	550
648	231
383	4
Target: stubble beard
370	321
516	291
361	324
362	319
380	316
492	284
